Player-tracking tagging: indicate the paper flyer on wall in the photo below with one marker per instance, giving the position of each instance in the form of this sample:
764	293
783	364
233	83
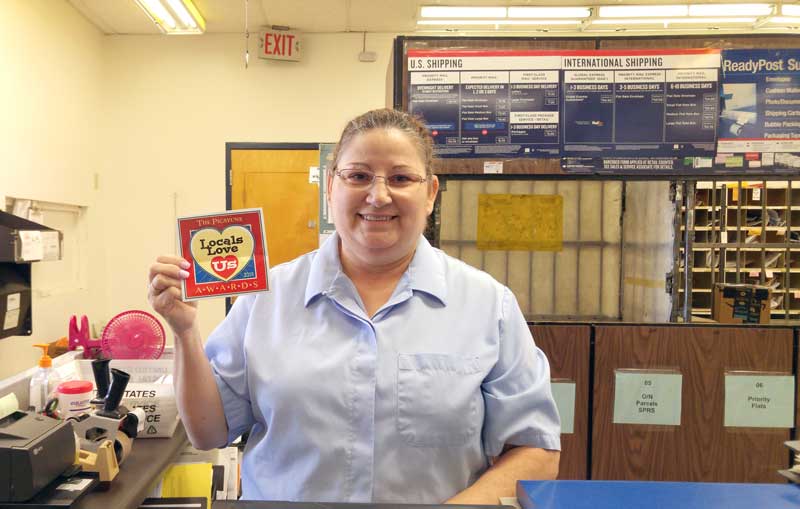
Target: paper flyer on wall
759	124
227	252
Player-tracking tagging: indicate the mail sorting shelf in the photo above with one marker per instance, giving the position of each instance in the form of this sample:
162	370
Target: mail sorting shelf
737	232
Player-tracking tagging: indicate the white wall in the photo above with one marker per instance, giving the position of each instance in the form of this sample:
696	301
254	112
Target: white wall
51	84
146	118
134	128
173	102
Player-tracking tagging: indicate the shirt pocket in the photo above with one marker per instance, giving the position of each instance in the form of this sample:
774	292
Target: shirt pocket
437	399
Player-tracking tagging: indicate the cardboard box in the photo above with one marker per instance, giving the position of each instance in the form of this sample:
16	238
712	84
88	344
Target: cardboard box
740	303
150	388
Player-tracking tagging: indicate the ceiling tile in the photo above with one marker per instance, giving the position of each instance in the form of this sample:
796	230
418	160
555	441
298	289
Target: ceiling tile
307	15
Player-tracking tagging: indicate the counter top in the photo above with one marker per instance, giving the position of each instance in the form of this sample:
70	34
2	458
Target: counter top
147	460
256	504
653	494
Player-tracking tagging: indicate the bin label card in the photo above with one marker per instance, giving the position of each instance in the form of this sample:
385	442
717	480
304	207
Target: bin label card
642	397
564	395
759	401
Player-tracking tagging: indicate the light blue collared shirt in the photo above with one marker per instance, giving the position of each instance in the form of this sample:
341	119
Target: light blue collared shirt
404	406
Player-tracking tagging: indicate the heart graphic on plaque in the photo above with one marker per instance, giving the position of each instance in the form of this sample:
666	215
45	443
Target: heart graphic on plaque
223	253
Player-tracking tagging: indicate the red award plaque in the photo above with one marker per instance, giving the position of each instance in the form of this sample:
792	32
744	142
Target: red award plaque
227	252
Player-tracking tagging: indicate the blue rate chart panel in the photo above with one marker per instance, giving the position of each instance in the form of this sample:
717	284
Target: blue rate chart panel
484	107
533	104
645	103
487	103
760	115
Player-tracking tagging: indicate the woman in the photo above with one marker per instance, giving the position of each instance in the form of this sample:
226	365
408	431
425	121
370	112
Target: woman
378	369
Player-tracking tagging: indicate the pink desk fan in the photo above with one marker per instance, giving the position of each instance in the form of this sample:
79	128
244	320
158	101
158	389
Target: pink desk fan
129	335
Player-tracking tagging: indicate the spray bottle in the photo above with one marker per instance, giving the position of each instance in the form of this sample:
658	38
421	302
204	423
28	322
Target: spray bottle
44	381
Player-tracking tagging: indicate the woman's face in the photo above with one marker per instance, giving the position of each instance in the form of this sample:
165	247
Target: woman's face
377	225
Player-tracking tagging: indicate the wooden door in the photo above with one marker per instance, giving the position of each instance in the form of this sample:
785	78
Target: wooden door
277	181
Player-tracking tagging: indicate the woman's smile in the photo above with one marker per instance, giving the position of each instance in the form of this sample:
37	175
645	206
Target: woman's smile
376	218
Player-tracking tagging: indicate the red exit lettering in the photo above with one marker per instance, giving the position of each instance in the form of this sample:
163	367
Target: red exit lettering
278	44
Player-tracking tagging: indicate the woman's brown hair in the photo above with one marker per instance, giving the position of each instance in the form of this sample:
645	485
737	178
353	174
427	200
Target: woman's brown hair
386	118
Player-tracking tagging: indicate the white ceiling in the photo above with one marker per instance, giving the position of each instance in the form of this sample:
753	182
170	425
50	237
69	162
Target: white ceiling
396	16
228	16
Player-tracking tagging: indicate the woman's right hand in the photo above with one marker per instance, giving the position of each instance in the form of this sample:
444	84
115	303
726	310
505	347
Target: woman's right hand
164	293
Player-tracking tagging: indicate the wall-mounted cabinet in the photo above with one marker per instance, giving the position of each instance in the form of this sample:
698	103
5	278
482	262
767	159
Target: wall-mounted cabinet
21	242
739	232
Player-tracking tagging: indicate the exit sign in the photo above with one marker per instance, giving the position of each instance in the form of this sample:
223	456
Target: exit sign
280	45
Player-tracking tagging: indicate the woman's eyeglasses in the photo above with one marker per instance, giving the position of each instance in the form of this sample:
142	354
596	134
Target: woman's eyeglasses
360	179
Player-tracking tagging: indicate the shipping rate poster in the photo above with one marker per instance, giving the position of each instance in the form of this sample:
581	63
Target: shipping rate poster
640	104
487	103
759	125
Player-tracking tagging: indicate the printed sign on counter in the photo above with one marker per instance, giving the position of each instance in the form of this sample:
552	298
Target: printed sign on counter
759	400
647	397
564	394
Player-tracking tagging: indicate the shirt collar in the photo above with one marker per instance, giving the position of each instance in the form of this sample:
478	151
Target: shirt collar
425	273
325	267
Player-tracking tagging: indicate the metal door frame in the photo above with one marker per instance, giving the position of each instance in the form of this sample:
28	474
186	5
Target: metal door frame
246	145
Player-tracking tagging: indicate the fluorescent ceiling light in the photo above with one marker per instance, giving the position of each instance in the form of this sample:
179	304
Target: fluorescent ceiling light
785	20
157	13
642	11
490	22
711	21
549	12
183	14
429	11
730	9
174	17
618	30
790	10
670	21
